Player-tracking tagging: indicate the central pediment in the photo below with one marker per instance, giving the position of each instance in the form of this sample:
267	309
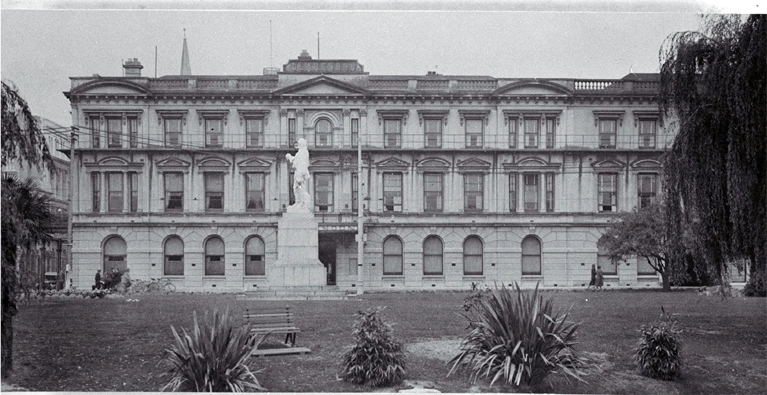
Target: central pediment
322	86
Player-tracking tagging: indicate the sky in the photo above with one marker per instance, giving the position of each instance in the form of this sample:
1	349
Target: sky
46	43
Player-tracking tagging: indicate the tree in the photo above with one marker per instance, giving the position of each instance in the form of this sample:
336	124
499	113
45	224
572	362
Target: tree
640	233
714	83
26	219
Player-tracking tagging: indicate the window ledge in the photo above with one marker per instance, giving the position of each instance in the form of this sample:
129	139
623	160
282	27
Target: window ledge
473	276
254	276
433	276
394	276
532	277
214	277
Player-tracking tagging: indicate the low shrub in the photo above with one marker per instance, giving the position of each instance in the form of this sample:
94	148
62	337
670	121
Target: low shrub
212	357
377	358
516	337
658	353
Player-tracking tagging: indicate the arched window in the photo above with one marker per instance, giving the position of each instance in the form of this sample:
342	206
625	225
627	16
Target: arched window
255	265
531	255
115	254
392	255
214	256
472	255
323	133
174	257
432	256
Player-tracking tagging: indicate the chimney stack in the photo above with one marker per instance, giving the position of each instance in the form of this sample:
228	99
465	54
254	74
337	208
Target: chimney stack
132	68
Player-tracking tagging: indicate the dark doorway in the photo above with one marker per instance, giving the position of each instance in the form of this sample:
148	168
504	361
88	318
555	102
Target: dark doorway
327	255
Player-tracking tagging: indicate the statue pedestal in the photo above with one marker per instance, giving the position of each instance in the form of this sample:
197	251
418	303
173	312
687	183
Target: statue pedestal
297	264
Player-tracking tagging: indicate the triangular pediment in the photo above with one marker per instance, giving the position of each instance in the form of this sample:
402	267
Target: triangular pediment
172	162
434	163
473	163
324	163
322	86
254	162
392	162
608	164
533	87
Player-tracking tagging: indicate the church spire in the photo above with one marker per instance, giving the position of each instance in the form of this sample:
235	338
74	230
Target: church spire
186	69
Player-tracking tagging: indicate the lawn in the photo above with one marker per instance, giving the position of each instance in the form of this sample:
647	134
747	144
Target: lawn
114	345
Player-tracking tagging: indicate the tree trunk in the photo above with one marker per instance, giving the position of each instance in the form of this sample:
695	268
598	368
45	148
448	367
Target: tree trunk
666	278
7	343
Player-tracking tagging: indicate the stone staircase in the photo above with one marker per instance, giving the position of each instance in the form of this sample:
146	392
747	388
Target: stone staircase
294	293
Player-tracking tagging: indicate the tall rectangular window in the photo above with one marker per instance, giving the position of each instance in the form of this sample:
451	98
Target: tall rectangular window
607	131
392	133
291	192
647	130
608	192
473	192
115	192
532	130
114	132
323	192
531	192
214	132
254	132
513	126
474	132
513	192
255	197
551	128
173	132
355	132
355	189
647	188
549	192
133	188
432	192
392	192
174	191
96	195
133	131
214	191
95	132
432	129
323	133
292	131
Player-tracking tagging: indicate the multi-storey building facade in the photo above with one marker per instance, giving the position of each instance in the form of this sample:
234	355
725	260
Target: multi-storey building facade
465	178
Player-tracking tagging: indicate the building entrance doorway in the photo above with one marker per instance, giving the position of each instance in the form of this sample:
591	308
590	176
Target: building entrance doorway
327	255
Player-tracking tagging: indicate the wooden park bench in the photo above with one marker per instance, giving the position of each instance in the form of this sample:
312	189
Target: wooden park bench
274	320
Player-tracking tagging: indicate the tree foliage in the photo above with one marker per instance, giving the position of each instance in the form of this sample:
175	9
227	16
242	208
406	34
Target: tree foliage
714	83
22	139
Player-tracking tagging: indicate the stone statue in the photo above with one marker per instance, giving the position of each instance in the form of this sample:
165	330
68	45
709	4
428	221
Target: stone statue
301	179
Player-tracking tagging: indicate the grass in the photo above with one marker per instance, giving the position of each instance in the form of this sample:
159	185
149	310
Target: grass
113	345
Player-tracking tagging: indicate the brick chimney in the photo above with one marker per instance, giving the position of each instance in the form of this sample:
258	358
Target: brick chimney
132	68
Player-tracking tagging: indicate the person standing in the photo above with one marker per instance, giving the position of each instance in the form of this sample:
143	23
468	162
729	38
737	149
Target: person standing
593	281
98	280
600	278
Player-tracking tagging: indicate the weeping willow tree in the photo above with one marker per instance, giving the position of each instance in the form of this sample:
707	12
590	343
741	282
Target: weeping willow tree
713	82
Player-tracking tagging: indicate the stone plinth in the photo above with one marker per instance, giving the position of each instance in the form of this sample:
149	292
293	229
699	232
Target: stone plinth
297	264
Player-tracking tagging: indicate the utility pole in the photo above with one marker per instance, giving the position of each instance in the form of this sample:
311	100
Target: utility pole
360	219
71	202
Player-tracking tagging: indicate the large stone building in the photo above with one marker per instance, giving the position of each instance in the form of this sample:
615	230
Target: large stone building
467	179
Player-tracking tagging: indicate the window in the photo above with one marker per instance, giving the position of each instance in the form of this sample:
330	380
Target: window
355	191
603	260
173	132
551	127
531	256
513	126
474	132
133	131
549	192
532	129
352	266
323	192
607	131
647	128
513	192
531	192
133	188
96	189
174	191
254	192
644	268
355	132
392	255
254	132
214	132
292	131
608	192
214	257
392	192
174	257
115	254
323	133
472	256
392	133
291	192
214	191
114	192
255	265
114	132
646	186
473	189
432	192
432	129
432	256
95	132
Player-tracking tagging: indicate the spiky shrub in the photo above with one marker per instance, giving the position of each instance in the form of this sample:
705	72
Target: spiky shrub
658	354
517	338
377	358
212	357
